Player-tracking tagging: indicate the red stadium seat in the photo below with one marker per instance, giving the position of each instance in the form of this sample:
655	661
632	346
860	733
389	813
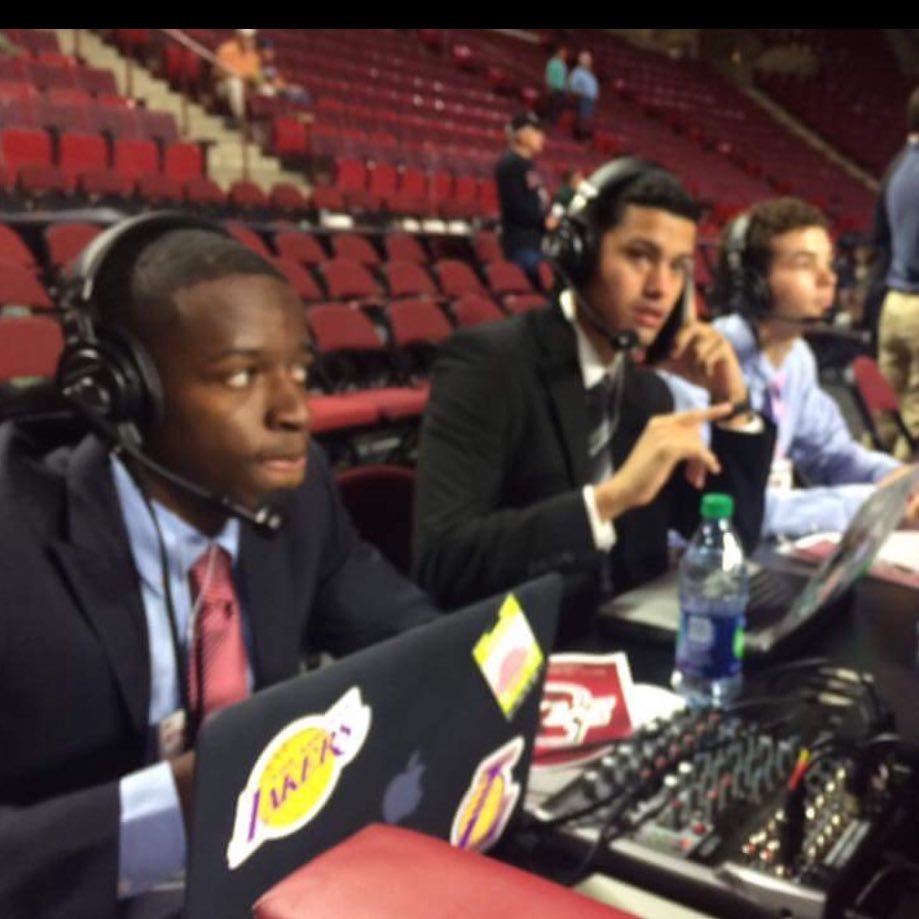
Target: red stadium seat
183	161
487	247
474	309
247	196
79	153
288	199
29	346
354	355
25	147
299	278
417	322
135	158
19	287
346	279
104	183
204	191
327	198
457	278
407	279
65	241
159	189
300	247
401	247
356	248
507	278
13	249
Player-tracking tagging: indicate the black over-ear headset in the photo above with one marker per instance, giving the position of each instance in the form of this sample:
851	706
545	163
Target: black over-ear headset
745	289
106	372
574	246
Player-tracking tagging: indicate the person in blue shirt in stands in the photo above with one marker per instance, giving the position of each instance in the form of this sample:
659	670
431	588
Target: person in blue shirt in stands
582	83
775	274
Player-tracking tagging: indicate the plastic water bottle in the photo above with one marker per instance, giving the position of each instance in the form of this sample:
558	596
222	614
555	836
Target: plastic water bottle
714	590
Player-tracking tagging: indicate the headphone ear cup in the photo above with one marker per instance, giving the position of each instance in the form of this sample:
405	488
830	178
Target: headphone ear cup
570	247
114	378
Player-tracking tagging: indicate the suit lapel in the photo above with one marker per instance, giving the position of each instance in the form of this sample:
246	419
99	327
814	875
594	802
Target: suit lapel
268	586
561	376
96	560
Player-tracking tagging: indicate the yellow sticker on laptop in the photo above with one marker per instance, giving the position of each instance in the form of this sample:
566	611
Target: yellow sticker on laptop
509	657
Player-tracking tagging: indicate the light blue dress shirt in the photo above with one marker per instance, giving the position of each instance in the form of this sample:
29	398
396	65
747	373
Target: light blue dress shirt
583	82
152	839
811	432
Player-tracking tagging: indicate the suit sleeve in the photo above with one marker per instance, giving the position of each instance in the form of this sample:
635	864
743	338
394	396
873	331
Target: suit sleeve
467	545
361	597
745	460
60	857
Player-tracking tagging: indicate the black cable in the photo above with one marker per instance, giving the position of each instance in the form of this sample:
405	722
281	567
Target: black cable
884	872
193	717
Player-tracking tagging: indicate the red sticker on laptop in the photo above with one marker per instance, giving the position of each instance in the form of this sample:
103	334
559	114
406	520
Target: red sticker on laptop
296	774
585	705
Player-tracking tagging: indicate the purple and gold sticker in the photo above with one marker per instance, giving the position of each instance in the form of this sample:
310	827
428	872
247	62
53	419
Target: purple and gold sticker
296	774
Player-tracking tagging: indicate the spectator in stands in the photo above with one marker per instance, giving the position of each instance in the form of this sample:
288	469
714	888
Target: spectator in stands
522	197
91	790
898	334
238	70
547	446
775	274
272	81
571	179
556	82
582	83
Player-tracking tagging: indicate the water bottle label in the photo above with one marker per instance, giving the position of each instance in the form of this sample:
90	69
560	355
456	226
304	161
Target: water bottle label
710	647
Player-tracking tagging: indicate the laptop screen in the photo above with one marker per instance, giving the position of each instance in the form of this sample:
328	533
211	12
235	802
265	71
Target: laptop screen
432	730
859	544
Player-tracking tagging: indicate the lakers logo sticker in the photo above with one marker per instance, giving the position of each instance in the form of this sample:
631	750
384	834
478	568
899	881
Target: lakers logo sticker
296	775
489	801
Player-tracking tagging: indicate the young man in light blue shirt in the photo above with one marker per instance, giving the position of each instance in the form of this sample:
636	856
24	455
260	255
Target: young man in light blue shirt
775	274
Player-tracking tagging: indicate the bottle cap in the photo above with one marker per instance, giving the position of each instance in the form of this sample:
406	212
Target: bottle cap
717	507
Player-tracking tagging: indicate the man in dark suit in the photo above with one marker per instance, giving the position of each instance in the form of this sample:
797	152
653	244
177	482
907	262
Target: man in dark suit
519	472
91	808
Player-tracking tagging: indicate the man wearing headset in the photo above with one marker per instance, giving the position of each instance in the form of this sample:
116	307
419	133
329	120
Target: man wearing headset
547	446
185	345
775	276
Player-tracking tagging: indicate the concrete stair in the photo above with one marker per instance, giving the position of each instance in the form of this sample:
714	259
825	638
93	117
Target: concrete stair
226	151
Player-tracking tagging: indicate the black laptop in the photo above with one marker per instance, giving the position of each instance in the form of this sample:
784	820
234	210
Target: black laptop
431	730
783	599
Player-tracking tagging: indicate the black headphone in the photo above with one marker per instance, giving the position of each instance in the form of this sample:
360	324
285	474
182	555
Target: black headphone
106	372
573	246
744	289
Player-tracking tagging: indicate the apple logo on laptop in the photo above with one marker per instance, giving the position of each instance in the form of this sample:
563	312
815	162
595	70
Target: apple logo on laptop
403	794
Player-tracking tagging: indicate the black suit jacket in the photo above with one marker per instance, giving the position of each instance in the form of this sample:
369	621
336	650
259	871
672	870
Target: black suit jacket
74	660
503	461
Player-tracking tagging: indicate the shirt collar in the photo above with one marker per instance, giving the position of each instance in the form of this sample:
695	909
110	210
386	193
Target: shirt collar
757	368
592	368
184	544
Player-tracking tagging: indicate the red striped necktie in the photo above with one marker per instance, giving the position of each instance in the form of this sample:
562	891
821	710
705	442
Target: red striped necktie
218	655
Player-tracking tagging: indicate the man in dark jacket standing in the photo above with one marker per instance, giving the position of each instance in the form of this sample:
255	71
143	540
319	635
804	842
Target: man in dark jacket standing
523	197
